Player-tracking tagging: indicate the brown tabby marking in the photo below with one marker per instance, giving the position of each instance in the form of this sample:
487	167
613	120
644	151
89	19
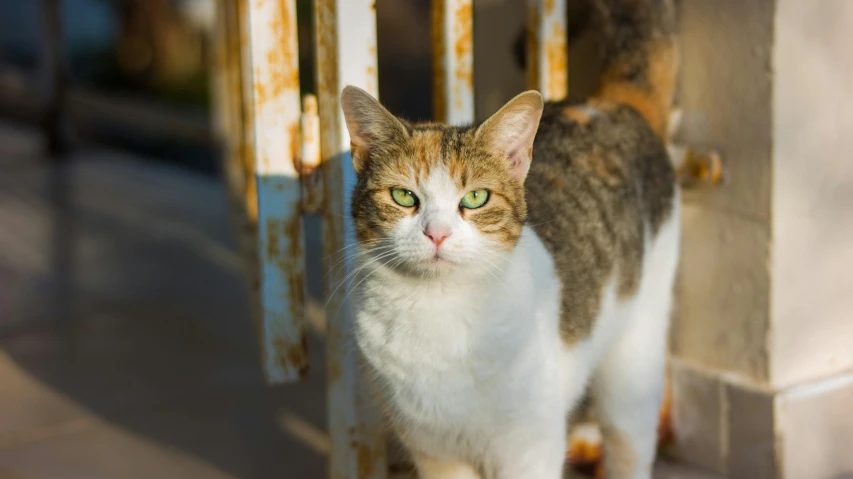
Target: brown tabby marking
598	179
579	115
641	58
653	104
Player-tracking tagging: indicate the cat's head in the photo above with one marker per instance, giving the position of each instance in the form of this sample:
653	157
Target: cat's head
433	198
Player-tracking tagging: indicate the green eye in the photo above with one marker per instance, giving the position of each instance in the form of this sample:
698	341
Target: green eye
404	197
474	199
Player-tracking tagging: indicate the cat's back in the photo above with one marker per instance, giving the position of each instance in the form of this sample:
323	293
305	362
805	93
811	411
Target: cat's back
605	151
600	187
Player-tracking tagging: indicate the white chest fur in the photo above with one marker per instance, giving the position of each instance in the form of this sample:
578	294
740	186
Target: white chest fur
464	351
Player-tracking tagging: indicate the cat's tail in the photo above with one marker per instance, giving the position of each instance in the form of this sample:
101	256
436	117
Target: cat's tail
640	58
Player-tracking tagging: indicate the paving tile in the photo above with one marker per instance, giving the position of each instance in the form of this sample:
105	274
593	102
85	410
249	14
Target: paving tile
104	452
30	410
248	433
670	470
697	417
10	474
752	439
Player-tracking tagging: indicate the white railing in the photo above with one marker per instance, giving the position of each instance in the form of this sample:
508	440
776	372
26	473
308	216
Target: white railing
273	150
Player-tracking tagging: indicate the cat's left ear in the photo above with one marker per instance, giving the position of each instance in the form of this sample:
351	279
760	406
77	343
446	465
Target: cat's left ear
510	131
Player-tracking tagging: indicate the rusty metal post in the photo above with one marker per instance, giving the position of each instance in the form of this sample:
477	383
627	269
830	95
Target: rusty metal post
232	105
453	61
547	65
274	80
244	81
312	179
346	55
227	94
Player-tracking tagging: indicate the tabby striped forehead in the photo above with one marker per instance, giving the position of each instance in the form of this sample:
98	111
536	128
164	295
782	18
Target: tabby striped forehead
435	145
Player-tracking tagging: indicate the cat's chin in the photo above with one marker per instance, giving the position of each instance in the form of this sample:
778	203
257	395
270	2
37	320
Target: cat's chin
440	263
436	265
429	268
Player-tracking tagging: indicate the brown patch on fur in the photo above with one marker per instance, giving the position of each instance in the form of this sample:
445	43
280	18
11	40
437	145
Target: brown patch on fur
591	190
426	151
652	102
641	58
578	115
584	456
608	169
665	432
597	181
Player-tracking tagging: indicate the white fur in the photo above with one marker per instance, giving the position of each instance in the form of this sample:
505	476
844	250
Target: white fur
468	358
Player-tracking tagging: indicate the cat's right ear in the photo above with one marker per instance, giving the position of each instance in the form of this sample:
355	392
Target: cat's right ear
510	132
370	125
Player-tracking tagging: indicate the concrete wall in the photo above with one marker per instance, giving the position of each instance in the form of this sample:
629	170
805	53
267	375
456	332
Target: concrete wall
812	298
763	339
726	91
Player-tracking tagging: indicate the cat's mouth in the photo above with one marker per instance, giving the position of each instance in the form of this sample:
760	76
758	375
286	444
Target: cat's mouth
438	260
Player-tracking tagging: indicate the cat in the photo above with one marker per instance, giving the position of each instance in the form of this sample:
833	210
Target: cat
506	269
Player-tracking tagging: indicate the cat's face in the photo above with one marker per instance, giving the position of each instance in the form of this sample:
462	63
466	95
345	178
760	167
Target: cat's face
433	198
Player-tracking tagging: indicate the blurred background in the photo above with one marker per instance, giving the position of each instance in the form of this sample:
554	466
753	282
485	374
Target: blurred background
126	345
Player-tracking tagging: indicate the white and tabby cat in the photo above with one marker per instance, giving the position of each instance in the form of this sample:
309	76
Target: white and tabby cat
507	268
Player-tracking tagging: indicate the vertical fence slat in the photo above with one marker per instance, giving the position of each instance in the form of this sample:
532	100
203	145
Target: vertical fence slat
312	184
228	98
275	117
244	79
231	106
346	55
453	61
547	69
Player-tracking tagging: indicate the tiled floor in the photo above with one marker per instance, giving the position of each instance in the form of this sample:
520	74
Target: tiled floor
125	347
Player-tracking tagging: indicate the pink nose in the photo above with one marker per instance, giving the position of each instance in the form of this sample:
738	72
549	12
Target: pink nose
437	234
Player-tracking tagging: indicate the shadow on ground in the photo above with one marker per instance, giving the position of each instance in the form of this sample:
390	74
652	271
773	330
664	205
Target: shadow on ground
126	349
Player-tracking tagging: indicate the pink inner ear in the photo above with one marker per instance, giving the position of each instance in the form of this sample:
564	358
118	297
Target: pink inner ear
519	162
510	131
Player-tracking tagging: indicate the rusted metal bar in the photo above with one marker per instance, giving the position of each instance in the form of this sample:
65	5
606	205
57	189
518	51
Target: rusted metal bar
312	184
697	167
453	61
232	104
244	80
547	65
227	101
275	117
346	55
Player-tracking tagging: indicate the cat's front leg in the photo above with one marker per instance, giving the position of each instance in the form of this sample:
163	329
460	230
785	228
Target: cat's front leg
431	468
540	456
